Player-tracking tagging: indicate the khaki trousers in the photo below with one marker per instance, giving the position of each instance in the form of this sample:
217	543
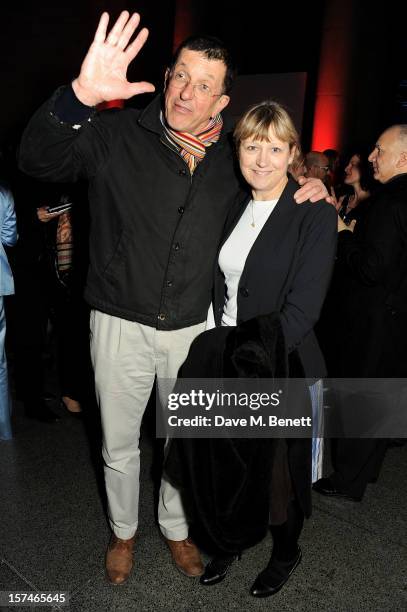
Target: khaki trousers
126	356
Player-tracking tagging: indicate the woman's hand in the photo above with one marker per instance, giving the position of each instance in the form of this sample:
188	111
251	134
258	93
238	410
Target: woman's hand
342	226
332	199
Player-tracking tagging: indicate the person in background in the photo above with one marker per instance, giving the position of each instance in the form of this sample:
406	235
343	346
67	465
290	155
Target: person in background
371	334
358	177
334	160
67	310
316	164
8	235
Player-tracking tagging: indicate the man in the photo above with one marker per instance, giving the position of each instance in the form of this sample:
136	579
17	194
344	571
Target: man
161	183
317	165
373	324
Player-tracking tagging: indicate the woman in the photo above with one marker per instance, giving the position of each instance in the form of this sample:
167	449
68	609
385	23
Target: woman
64	275
277	256
359	178
333	327
274	269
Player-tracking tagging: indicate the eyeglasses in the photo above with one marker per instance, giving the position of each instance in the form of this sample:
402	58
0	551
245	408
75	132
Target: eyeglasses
202	91
326	168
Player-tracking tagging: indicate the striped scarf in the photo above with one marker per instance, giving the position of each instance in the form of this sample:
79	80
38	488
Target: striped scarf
192	147
64	243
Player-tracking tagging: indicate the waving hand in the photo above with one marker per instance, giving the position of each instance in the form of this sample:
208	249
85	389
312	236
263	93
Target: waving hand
104	69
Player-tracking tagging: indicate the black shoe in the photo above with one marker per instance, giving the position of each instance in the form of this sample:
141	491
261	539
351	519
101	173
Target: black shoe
217	569
325	486
274	577
41	412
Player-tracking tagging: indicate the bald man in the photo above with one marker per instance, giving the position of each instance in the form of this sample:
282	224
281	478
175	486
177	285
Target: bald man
373	328
317	165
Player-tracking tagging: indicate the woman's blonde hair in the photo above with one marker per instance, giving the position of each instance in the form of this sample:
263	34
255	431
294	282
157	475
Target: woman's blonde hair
257	121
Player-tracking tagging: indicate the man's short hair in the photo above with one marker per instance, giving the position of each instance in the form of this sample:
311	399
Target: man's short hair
213	49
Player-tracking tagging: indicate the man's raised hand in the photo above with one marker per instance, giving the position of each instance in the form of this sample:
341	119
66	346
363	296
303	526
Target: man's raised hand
103	74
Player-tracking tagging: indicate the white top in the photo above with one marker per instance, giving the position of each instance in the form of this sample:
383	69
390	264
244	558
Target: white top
233	255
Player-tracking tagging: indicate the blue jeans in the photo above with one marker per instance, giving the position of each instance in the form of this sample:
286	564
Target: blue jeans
5	399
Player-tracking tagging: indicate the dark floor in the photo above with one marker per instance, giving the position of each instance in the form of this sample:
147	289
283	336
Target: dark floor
54	534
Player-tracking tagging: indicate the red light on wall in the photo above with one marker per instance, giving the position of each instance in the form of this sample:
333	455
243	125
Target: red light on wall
184	21
327	123
332	89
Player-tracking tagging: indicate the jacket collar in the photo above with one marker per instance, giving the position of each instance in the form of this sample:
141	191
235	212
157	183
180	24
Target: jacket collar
397	179
285	204
150	118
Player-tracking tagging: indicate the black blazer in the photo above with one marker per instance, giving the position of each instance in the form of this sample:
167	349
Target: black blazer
288	270
370	340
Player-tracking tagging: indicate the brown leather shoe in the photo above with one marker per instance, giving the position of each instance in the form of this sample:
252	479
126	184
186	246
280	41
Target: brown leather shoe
119	559
186	557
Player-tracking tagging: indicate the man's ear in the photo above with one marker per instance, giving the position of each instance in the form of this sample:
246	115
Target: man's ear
166	77
222	103
402	161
